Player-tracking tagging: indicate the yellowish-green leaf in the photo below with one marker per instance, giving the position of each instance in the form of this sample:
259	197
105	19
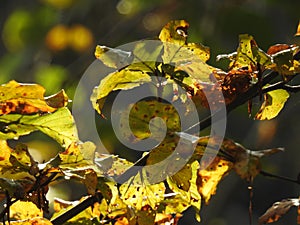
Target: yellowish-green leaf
114	58
284	62
175	32
143	112
248	54
59	125
120	80
137	192
273	103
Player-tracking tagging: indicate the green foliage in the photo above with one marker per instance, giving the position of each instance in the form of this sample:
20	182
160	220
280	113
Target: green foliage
25	182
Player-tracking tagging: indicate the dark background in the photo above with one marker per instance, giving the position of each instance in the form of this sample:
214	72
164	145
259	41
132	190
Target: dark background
52	42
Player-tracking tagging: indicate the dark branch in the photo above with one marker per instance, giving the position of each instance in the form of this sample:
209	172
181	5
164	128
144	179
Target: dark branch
267	174
77	209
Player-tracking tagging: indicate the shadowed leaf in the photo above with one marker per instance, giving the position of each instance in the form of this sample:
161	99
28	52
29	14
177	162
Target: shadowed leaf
277	210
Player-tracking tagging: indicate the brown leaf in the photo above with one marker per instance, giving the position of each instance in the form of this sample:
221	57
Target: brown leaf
277	210
278	48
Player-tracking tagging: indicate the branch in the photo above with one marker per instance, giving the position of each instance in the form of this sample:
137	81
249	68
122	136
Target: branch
267	174
282	85
77	209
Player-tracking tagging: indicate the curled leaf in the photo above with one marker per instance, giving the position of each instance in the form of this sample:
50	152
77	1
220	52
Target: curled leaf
278	209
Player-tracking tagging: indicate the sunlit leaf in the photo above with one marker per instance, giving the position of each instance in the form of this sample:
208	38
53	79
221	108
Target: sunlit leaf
137	192
35	221
27	99
210	175
120	80
298	30
274	102
278	209
185	196
22	210
174	32
112	165
114	58
58	125
143	112
165	219
84	217
248	54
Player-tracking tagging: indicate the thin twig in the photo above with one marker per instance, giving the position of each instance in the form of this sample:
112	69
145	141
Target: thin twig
267	174
77	209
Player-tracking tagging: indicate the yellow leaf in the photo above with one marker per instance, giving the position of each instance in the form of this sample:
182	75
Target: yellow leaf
298	30
273	103
209	178
35	221
21	210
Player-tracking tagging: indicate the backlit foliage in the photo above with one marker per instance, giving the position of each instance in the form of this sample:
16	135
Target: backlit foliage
24	182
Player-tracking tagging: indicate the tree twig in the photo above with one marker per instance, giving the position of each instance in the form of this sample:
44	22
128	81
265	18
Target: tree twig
77	209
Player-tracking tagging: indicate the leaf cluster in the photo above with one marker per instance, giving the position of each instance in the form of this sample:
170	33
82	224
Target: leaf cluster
168	66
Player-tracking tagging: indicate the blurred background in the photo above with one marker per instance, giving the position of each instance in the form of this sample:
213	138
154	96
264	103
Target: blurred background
52	42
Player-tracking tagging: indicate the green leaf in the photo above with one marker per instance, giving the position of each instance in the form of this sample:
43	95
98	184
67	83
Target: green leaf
58	125
273	103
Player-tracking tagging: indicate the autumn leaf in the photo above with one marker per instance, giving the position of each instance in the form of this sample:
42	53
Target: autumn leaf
274	102
35	221
185	194
283	61
137	192
278	209
298	30
28	99
22	210
86	216
211	175
248	55
121	80
114	58
246	163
